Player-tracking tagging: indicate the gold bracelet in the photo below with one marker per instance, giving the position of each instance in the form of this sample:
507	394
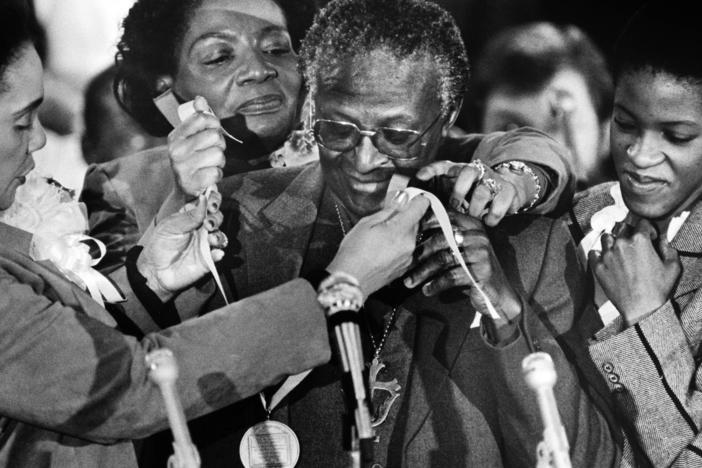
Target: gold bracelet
518	167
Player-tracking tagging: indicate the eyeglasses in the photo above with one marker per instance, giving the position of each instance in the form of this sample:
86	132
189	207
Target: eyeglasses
395	143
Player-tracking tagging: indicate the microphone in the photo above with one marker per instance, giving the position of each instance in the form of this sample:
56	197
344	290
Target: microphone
342	298
540	375
164	372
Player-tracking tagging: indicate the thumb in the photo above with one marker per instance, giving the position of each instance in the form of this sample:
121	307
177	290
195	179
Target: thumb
668	253
192	215
200	104
646	227
411	213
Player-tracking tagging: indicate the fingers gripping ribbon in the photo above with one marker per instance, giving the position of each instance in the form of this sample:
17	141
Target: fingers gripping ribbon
445	224
207	253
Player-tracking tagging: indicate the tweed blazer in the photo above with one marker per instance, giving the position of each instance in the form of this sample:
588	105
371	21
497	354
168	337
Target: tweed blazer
652	368
74	391
464	404
123	196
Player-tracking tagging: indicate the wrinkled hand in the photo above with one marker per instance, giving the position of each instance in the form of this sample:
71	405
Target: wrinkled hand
171	259
379	248
463	181
636	278
438	269
196	149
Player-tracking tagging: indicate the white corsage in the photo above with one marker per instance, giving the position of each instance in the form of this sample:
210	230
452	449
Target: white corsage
300	147
58	224
604	221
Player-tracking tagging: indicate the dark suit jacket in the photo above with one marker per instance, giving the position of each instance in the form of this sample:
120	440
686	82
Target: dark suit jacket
73	390
464	403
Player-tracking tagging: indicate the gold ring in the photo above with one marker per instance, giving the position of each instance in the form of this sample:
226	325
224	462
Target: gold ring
492	185
480	166
458	237
224	240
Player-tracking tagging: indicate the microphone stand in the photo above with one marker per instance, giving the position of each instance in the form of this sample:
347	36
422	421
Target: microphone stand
164	372
540	375
341	297
348	338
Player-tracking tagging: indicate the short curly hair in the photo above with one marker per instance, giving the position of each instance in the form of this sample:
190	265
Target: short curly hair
152	34
662	36
407	29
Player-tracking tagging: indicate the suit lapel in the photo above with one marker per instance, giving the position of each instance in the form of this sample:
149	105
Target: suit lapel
688	242
441	333
274	235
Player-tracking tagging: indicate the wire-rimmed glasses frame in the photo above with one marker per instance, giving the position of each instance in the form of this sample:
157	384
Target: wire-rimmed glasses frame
396	143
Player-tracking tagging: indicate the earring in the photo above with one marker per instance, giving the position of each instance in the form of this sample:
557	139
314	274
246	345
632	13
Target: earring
163	84
630	150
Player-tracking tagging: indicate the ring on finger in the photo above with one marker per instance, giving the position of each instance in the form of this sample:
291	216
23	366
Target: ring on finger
223	240
480	166
608	234
458	236
492	185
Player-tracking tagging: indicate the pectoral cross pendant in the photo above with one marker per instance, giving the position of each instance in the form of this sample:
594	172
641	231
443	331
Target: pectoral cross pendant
391	387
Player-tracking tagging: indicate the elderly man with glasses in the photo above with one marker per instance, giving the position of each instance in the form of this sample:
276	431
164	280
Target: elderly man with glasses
386	79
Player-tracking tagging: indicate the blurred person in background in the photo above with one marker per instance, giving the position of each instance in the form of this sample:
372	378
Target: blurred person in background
75	39
109	131
552	78
80	40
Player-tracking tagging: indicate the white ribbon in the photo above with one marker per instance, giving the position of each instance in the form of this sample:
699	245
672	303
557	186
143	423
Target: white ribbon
71	256
399	182
207	253
445	224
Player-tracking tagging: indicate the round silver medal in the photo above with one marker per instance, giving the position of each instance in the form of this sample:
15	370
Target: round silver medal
269	444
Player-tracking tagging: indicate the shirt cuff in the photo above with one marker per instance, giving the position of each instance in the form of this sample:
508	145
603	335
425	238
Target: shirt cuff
164	314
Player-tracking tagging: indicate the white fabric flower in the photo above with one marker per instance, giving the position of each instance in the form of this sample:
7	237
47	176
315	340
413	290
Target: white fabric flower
604	221
58	224
45	208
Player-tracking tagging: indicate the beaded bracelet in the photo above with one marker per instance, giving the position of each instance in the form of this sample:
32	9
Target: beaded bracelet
518	167
340	292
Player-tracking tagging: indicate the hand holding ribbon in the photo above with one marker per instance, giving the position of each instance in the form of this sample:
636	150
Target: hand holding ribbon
379	247
173	256
438	267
